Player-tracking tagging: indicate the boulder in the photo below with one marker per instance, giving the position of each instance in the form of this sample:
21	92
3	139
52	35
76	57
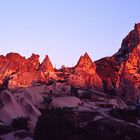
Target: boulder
65	101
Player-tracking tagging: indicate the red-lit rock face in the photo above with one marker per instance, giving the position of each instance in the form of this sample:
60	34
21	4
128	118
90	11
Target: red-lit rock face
24	71
122	70
129	43
85	74
46	65
129	75
128	57
108	71
119	74
85	64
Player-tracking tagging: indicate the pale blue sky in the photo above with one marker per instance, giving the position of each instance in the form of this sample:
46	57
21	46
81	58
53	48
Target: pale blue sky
65	29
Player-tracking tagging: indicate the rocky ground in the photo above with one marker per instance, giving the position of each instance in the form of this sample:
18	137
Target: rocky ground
39	112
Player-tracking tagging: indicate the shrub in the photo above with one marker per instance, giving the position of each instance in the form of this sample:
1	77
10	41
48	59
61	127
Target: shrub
20	123
74	90
86	95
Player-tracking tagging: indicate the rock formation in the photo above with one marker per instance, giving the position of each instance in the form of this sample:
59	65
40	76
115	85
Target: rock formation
46	65
107	69
128	57
121	71
118	74
85	75
24	71
92	114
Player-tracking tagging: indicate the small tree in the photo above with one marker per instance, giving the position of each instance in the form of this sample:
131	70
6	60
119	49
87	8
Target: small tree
63	68
5	83
20	123
74	90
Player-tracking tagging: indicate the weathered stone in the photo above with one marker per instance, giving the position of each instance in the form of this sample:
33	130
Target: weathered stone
85	75
24	71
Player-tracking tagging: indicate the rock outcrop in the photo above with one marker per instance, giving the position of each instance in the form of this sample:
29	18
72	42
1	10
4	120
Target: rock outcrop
85	75
71	105
46	65
121	72
118	74
128	57
17	105
24	71
107	69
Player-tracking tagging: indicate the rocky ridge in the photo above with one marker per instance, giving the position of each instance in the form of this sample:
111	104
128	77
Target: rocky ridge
120	72
24	71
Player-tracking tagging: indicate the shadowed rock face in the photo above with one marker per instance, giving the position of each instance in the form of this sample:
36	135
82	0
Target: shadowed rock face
122	69
69	125
24	71
85	75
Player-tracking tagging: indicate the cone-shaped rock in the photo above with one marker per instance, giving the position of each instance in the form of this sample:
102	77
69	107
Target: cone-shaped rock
46	69
85	74
46	65
85	64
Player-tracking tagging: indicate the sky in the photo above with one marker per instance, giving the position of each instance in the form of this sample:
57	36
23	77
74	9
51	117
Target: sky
66	29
